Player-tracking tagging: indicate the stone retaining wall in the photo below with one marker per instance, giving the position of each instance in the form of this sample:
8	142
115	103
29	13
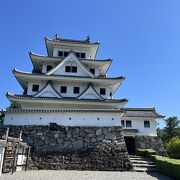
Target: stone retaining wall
80	148
150	142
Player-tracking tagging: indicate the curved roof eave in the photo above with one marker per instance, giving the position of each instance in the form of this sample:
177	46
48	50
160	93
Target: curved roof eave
14	97
16	72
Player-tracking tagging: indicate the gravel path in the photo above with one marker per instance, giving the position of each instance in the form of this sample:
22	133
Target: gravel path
82	175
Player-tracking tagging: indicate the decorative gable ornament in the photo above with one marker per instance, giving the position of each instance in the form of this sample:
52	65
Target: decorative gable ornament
72	59
90	93
48	91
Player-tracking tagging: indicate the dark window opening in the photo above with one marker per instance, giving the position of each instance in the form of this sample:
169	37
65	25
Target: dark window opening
76	90
128	124
78	54
74	69
102	91
68	69
122	123
66	53
63	89
60	53
48	68
146	124
35	87
25	92
71	69
82	55
92	71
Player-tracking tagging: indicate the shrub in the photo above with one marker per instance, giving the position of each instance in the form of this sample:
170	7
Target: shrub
146	152
168	166
165	165
173	148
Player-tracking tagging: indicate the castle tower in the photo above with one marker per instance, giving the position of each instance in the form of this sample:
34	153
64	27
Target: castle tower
69	87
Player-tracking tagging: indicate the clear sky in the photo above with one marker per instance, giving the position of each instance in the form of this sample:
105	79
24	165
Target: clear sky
142	37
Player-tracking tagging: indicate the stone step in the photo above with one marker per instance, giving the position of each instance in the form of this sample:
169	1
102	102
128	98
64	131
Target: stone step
144	165
140	159
140	169
142	162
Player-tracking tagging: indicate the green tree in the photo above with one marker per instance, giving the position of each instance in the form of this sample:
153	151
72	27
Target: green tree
171	129
1	117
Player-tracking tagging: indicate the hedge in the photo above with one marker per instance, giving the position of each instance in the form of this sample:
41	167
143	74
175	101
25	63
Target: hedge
146	152
165	165
168	166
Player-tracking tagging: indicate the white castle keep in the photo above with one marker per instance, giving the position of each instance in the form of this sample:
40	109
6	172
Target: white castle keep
70	87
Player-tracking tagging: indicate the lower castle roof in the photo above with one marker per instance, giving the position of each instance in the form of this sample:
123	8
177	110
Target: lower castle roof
142	112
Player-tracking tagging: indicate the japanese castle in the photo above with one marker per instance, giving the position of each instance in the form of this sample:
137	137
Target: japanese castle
70	87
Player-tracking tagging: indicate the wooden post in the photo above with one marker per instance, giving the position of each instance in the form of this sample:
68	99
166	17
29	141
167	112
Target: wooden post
27	159
6	136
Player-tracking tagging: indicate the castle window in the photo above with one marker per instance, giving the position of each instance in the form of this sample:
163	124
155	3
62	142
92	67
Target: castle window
60	53
78	54
68	69
48	68
146	124
74	69
63	89
128	124
122	123
35	87
102	91
82	55
71	69
66	53
92	71
76	90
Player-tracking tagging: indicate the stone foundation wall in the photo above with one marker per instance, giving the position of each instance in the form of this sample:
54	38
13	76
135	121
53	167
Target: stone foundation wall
80	148
150	142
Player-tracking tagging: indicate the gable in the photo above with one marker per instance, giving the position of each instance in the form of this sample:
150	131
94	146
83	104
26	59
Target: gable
70	60
90	93
48	91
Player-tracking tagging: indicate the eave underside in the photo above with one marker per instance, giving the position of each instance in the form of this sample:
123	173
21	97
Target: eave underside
38	61
65	103
24	77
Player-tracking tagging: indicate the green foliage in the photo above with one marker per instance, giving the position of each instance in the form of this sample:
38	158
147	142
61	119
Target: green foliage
165	165
146	152
168	166
173	148
1	117
170	131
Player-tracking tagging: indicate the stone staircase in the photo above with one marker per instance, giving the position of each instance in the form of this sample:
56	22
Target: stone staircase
142	164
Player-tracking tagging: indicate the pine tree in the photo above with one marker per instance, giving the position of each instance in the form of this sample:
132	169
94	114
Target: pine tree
171	129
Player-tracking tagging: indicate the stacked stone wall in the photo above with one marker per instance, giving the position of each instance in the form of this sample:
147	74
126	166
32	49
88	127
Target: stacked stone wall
80	148
150	142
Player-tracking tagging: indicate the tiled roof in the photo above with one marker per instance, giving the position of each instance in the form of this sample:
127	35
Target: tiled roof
52	75
87	41
65	99
61	110
142	112
31	54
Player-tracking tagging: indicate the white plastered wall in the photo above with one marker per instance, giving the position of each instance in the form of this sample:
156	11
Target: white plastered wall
76	49
65	119
70	86
138	123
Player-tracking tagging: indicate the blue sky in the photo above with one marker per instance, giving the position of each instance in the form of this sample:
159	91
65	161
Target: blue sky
142	38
